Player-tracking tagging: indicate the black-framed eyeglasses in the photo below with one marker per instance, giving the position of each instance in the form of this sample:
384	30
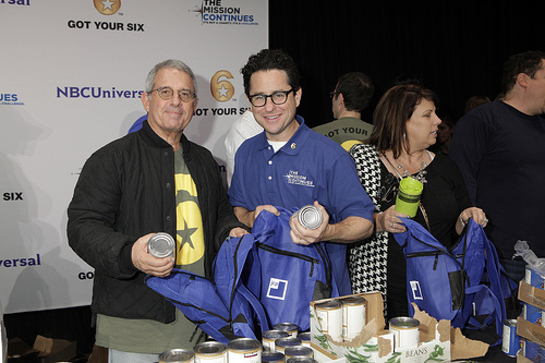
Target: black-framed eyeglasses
278	98
166	93
333	94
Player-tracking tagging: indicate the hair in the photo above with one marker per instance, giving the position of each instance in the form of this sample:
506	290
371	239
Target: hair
357	90
170	63
475	101
528	62
269	59
393	111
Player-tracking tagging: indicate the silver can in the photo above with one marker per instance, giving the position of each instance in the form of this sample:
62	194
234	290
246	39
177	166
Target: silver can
161	245
301	360
244	350
210	352
330	316
176	356
284	343
511	341
299	351
309	216
269	338
290	328
272	357
406	332
354	310
305	338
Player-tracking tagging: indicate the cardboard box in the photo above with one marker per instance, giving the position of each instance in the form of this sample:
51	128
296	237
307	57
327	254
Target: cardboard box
532	295
47	350
375	344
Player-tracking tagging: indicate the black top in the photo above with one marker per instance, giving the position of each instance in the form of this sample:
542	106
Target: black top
444	197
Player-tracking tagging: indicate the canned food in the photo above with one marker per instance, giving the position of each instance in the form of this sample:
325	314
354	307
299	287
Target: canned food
161	245
176	356
406	332
288	342
270	336
272	357
532	313
330	316
301	360
309	216
511	341
299	351
531	277
244	350
210	352
290	328
305	338
354	310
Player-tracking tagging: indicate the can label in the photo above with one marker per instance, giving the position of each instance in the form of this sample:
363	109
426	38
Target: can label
269	338
330	317
406	332
244	350
354	310
511	341
531	277
305	339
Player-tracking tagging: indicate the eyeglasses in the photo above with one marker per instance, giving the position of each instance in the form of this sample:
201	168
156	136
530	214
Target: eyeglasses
333	94
278	98
166	93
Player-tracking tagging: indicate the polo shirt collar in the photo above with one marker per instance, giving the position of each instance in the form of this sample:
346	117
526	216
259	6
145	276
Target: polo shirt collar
295	143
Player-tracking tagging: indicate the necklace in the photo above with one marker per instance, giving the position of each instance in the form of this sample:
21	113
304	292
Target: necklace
420	175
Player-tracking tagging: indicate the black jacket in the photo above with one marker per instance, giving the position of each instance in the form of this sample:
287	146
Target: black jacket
126	190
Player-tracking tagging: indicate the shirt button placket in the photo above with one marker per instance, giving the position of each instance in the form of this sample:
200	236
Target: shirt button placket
270	162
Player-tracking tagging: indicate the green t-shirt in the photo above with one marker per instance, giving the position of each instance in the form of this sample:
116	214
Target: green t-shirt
149	336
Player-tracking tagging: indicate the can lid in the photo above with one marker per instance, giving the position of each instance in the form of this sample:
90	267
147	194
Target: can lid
403	322
244	344
275	334
352	300
176	355
298	350
310	217
286	326
301	360
288	342
330	304
304	336
161	244
209	348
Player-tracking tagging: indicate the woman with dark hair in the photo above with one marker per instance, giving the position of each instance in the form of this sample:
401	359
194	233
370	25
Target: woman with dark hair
405	125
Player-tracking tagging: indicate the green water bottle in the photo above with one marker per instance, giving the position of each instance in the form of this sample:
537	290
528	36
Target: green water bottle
408	197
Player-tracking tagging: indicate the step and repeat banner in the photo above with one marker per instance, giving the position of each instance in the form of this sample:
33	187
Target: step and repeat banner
71	76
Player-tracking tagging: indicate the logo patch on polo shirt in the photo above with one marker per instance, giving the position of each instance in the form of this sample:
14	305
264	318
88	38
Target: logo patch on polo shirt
293	177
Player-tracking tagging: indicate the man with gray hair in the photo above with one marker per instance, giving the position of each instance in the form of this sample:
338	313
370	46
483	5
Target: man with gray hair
152	180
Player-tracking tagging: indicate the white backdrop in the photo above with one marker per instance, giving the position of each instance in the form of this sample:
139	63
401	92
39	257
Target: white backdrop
71	73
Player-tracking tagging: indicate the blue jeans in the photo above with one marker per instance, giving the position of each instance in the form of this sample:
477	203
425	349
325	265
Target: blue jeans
116	356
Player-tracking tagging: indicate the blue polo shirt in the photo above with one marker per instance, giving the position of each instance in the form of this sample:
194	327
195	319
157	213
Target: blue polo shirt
309	167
